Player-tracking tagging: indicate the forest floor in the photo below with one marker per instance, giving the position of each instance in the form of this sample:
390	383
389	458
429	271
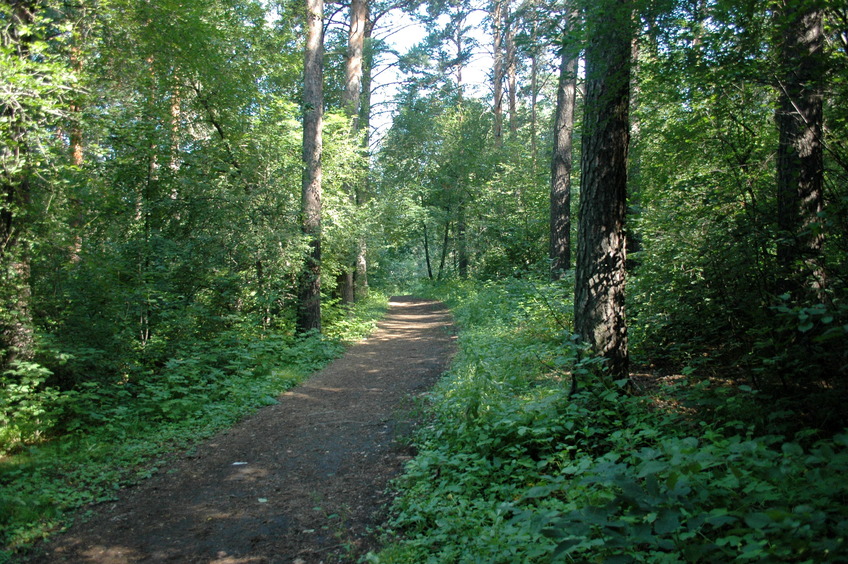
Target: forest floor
300	482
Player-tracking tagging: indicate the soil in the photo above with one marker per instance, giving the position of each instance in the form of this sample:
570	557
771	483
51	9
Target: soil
300	482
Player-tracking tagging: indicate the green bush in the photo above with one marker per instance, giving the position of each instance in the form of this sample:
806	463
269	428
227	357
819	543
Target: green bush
514	467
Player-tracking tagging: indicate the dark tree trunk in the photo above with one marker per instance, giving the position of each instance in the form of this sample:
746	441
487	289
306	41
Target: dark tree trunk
309	290
560	251
600	270
427	250
462	243
800	150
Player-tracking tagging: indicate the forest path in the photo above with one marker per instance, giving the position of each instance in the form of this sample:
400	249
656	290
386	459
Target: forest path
302	481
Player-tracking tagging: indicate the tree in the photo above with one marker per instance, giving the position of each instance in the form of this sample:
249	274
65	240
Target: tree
560	225
600	270
799	116
309	288
351	102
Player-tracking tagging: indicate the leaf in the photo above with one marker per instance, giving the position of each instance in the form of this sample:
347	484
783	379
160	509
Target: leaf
651	467
667	521
792	449
757	520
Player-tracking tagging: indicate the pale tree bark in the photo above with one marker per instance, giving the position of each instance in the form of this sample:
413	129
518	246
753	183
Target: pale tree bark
363	194
512	75
309	290
600	270
351	100
498	69
16	333
800	170
560	223
534	97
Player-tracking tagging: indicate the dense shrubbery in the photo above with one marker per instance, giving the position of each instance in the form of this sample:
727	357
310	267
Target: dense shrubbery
79	446
515	468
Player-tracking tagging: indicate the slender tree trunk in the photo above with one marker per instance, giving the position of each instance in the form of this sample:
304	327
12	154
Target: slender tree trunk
560	250
512	76
309	291
16	334
351	99
462	243
363	196
445	241
800	151
427	250
534	98
77	146
600	274
498	69
353	65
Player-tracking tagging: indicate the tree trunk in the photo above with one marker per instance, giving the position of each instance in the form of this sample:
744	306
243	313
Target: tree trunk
309	291
427	250
16	333
462	243
560	250
445	241
512	77
353	65
800	150
498	69
600	274
351	100
363	193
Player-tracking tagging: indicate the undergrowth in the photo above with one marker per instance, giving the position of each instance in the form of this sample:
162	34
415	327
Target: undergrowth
104	437
514	467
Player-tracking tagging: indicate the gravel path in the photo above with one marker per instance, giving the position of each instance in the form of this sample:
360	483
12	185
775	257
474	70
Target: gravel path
300	482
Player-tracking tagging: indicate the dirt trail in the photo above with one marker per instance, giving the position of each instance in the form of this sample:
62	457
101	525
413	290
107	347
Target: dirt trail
303	481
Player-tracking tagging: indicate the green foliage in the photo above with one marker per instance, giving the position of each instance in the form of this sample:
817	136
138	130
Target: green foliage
28	407
513	467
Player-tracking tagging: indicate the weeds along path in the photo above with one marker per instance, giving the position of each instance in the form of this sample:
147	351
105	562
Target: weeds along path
302	481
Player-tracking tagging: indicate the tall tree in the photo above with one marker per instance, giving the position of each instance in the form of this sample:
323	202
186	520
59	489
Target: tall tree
800	171
351	103
560	239
498	53
309	290
600	270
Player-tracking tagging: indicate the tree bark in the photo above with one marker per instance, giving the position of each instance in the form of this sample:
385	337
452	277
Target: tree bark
560	225
600	271
512	77
498	69
351	101
309	291
800	151
427	250
363	192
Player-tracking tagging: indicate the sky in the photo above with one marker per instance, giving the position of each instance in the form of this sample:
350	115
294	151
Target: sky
403	33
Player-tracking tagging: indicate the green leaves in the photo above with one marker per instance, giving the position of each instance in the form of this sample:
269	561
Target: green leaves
512	465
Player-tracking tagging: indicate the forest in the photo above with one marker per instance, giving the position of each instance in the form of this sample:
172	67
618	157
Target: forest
637	211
